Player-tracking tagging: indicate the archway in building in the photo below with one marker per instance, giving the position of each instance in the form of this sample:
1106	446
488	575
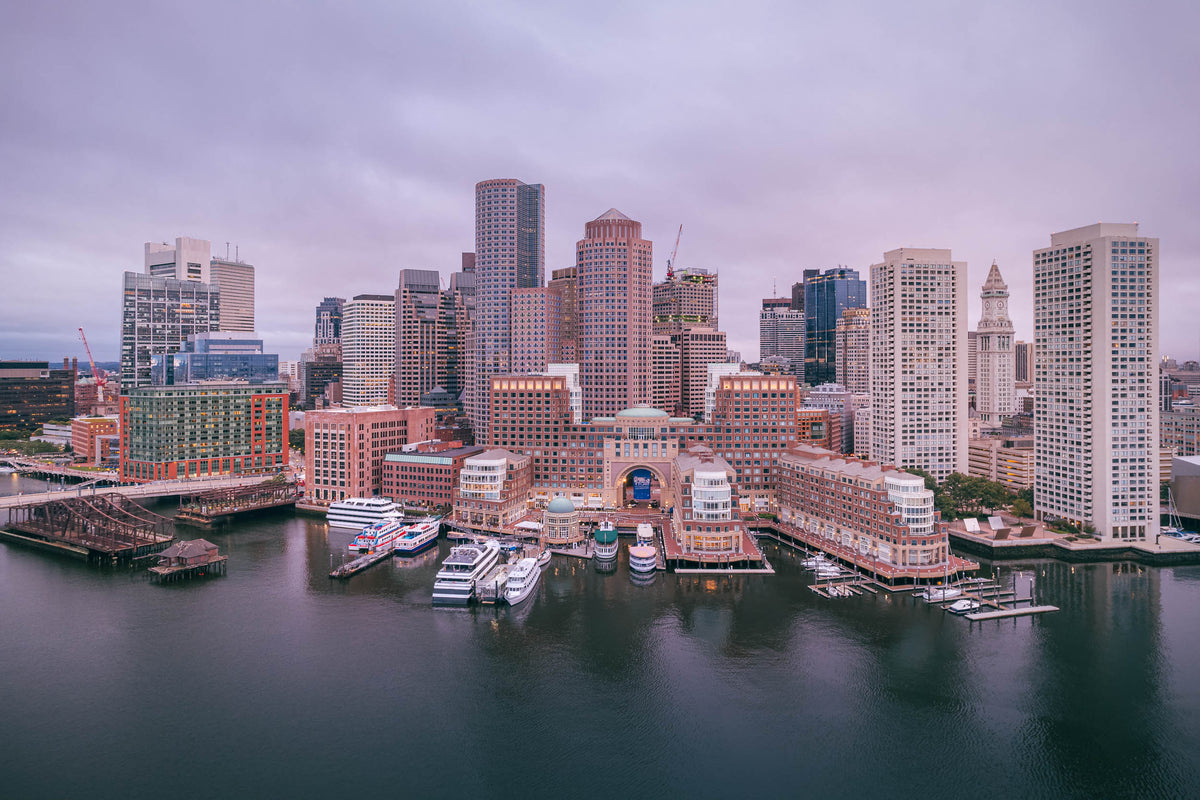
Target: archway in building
641	487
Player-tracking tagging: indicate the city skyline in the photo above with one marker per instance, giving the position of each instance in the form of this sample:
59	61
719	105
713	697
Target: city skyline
768	179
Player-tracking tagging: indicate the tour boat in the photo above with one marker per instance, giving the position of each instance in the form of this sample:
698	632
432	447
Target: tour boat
522	581
936	594
963	606
467	563
645	534
380	536
418	537
606	541
642	558
357	512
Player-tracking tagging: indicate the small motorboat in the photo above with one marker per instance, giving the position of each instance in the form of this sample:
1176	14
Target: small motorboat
543	558
964	606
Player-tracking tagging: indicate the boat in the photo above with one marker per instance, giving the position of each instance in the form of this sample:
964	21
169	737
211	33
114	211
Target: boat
829	572
543	558
379	537
936	594
467	563
358	512
964	606
606	541
522	581
1174	526
417	537
645	534
642	558
815	563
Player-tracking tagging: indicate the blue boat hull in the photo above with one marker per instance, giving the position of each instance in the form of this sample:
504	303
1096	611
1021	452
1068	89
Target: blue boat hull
421	548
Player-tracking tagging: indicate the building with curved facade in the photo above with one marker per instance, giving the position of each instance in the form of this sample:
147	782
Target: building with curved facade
560	525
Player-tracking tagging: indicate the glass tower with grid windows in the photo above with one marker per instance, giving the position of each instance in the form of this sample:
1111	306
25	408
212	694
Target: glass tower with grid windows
826	295
157	317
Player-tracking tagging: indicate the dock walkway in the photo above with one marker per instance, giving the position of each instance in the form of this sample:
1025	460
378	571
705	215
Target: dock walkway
352	568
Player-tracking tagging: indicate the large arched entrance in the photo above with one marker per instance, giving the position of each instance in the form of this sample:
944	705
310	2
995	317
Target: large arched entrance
641	486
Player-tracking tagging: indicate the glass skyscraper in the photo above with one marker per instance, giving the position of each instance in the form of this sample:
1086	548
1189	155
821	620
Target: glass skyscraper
826	296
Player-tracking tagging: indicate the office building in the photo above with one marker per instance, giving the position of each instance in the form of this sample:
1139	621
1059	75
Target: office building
1023	362
510	245
664	373
425	474
368	350
565	282
918	361
781	332
536	329
493	490
1180	429
191	260
614	272
32	394
1096	411
191	430
698	347
215	356
158	315
853	350
686	299
88	436
826	295
318	369
995	370
344	448
188	260
328	329
419	335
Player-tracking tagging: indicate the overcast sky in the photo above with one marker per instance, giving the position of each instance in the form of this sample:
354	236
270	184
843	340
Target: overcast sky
337	143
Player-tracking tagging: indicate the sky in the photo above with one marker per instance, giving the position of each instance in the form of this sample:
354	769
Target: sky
333	144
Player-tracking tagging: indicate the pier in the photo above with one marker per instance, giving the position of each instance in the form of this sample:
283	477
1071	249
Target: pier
105	529
218	507
352	568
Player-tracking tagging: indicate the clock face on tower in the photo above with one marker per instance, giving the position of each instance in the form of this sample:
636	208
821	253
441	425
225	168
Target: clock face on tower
1000	305
987	305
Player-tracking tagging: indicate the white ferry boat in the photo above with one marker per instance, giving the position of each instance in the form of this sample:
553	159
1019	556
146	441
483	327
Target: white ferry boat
380	536
606	541
642	558
358	512
416	538
645	534
522	581
467	563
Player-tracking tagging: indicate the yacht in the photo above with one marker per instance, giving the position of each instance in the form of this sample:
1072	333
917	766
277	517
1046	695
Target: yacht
380	536
936	594
358	512
645	534
467	563
828	571
815	562
642	558
418	537
543	558
606	541
522	581
964	606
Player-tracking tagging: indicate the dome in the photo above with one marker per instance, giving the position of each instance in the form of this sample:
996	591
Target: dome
641	412
561	505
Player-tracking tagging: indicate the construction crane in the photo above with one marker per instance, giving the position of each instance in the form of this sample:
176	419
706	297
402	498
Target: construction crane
674	250
101	381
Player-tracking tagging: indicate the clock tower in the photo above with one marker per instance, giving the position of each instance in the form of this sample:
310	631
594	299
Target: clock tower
996	366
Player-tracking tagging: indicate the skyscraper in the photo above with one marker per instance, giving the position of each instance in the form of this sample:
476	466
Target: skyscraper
687	299
537	316
781	332
419	334
158	314
368	350
191	260
826	296
1096	417
510	244
1023	369
565	281
854	350
994	368
918	361
328	329
614	267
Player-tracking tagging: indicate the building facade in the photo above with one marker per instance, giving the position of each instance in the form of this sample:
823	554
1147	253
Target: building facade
157	316
826	295
1006	460
686	299
493	490
853	350
344	448
698	347
328	328
1180	430
202	429
706	518
31	393
368	350
918	361
995	368
87	434
1096	412
536	329
425	474
419	334
614	267
235	280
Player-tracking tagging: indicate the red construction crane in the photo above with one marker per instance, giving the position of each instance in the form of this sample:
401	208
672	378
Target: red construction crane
671	260
101	381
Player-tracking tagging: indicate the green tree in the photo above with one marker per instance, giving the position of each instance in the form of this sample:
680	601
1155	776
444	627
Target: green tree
1020	508
296	439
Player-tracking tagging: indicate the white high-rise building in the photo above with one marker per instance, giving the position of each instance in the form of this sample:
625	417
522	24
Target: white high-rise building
368	350
995	371
1095	313
919	361
191	260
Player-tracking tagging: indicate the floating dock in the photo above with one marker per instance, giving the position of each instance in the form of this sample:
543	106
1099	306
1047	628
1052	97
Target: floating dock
352	568
1009	612
489	589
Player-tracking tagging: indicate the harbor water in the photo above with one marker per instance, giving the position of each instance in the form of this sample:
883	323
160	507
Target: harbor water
275	681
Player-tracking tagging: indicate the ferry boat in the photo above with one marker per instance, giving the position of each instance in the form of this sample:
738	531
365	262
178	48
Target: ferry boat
645	534
522	581
467	563
416	538
642	558
380	536
606	541
358	512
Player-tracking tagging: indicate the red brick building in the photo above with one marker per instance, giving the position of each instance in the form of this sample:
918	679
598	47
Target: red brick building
344	448
493	490
425	475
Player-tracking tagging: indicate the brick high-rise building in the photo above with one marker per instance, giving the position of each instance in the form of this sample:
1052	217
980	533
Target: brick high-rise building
698	347
854	350
687	299
510	244
1096	412
918	361
419	334
566	282
614	277
537	317
664	373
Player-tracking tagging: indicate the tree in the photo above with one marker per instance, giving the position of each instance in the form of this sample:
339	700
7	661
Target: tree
930	481
296	439
1021	508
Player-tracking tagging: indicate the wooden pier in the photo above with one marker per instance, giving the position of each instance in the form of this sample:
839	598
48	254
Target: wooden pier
218	507
101	529
352	568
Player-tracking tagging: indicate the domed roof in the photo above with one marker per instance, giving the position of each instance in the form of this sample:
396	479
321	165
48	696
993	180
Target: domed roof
641	412
560	505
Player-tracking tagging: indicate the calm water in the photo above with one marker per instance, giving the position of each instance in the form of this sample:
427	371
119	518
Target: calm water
275	682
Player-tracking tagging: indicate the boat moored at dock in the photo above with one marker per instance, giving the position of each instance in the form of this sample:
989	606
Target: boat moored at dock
417	537
522	581
466	564
643	558
359	512
645	534
606	541
380	536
